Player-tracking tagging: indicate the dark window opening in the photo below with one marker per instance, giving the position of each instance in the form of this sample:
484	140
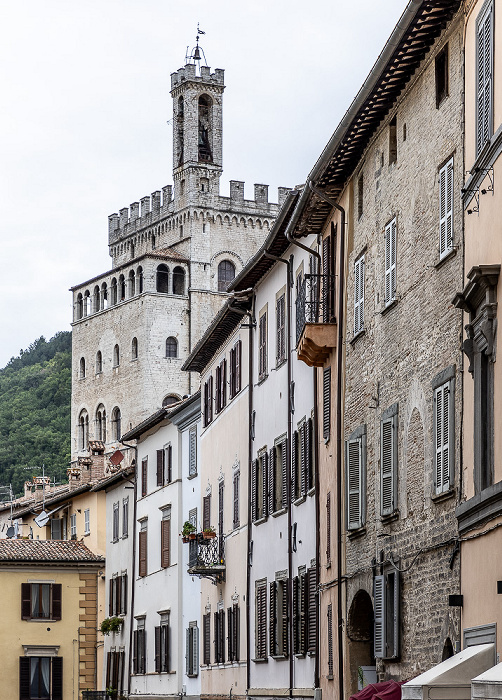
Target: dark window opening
178	281
226	274
204	146
171	347
360	192
441	76
393	140
163	279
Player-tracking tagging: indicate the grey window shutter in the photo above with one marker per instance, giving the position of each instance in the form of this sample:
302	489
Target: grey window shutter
326	402
192	451
284	618
312	611
484	60
284	473
187	652
195	650
388	465
359	295
303	593
303	459
379	617
446	208
354	490
294	464
254	504
330	641
395	593
390	261
273	618
328	528
272	460
264	467
295	588
157	649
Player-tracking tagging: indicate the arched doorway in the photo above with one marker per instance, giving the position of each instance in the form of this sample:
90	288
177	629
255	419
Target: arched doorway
360	641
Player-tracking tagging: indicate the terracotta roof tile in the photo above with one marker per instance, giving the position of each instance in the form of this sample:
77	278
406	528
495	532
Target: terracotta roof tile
47	551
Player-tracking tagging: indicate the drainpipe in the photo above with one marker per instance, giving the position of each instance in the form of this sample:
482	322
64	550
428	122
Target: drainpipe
189	312
133	587
339	373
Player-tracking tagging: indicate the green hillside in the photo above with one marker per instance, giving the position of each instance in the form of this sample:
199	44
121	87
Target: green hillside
35	392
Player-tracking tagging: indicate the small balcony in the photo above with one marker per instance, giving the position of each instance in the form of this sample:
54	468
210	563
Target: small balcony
206	558
315	319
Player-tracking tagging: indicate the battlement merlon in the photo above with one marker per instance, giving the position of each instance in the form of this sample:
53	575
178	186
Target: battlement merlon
189	73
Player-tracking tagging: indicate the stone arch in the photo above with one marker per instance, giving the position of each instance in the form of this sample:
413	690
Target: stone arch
113	287
242	221
205	128
100	423
448	650
226	274
87	303
178	281
116	423
122	288
96	299
226	219
116	355
415	400
219	220
170	399
139	280
134	349
132	284
250	222
163	279
104	296
79	306
81	368
83	429
360	636
99	362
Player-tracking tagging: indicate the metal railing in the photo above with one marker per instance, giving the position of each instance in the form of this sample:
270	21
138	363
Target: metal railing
315	301
206	553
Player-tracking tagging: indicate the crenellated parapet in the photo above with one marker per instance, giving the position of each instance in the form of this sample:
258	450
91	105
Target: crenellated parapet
189	72
140	215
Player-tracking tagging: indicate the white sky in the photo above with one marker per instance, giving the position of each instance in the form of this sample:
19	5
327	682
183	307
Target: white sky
85	104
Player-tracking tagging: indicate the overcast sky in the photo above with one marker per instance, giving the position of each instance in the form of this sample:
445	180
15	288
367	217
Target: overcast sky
85	119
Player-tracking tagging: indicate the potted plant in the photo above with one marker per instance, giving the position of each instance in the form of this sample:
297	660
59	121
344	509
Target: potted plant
188	531
111	624
209	533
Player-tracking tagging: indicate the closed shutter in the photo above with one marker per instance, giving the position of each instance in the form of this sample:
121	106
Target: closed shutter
236	520
206	632
264	460
169	463
238	362
218	390
326	402
354	490
328	529
144	476
443	411
236	632
294	464
390	261
303	459
192	466
124	594
284	618
446	208
309	456
312	611
330	641
284	473
328	265
165	543
110	598
210	399
359	295
261	622
254	504
262	359
272	460
206	512
484	60
135	652
296	616
24	677
379	614
56	592
142	650
142	553
25	601
222	637
388	465
281	329
230	634
109	664
157	650
273	618
160	467
57	678
303	593
188	652
224	384
206	404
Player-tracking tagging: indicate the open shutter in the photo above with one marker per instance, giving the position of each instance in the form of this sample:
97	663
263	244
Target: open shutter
160	467
294	464
25	601
236	632
326	402
188	654
303	459
210	399
284	473
195	650
328	529
157	650
57	678
206	632
236	519
144	476
296	617
484	79
264	459
312	611
390	261
330	641
230	634
167	651
388	466
238	363
446	208
24	678
379	613
224	385
206	512
222	636
123	598
284	612
273	618
309	454
271	479
354	490
206	404
56	592
192	437
217	407
262	622
254	505
169	474
142	553
109	662
359	295
166	543
302	612
135	652
393	582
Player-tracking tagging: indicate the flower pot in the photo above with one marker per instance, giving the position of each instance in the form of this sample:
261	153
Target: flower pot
192	536
209	535
184	540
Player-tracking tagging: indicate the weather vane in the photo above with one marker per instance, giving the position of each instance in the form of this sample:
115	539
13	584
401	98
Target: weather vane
197	52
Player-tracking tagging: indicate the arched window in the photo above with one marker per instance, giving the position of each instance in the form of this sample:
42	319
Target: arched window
80	306
178	281
153	242
169	400
81	372
116	356
226	274
83	430
101	423
122	288
205	136
96	300
104	296
180	119
87	303
114	292
171	347
132	251
132	284
134	349
163	279
99	362
139	275
116	423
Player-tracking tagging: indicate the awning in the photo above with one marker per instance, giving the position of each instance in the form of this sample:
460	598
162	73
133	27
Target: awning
388	690
452	678
488	685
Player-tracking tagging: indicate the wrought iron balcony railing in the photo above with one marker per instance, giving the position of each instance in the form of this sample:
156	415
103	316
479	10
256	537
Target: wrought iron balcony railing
206	558
315	301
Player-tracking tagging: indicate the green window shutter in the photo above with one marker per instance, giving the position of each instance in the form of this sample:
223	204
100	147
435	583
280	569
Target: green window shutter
388	465
379	617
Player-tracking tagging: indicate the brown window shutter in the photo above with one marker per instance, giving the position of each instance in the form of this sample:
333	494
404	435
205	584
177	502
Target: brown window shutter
271	480
206	512
230	634
206	631
284	473
144	476
165	660
312	611
57	678
124	594
118	597
160	467
294	464
303	459
157	649
142	553
109	662
328	528
206	406
218	389
24	677
56	591
330	641
222	636
309	457
238	356
326	402
210	398
25	601
273	619
165	536
224	384
169	464
110	597
284	612
232	373
236	500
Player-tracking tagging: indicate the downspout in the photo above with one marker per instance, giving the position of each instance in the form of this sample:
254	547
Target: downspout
189	312
289	409
339	371
133	587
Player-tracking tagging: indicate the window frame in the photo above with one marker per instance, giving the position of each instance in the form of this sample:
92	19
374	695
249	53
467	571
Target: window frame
447	437
388	461
355	478
446	195
87	521
484	122
359	268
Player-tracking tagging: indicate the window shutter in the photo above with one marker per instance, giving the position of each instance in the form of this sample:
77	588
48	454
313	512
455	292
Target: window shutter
254	508
157	650
56	591
330	641
309	454
273	618
312	611
210	399
224	384
393	579
169	463
238	355
484	79
328	528
264	459
354	490
236	521
303	594
216	639
161	465
326	402
25	601
446	208
294	464
124	594
165	543
217	407
206	512
57	678
118	595
195	649
390	261
443	431
165	661
359	295
110	597
206	404
261	622
109	662
144	476
296	616
284	612
188	652
303	459
230	634
222	636
388	466
284	473
24	677
192	451
135	652
236	632
142	553
206	623
379	614
272	460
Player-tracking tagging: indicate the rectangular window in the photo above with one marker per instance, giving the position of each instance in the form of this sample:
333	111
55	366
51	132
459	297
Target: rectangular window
162	650
328	279
208	401
388	462
444	433
233	616
192	449
279	618
144	477
280	320
393	140
355	461
55	529
221	386
41	601
192	650
219	637
221	492
446	209
165	538
235	368
359	295
117	595
115	522
360	193
236	518
259	499
206	631
192	545
261	619
40	677
123	594
115	670
484	73
142	546
441	69
390	262
125	517
277	476
326	402
168	457
73	525
139	648
161	467
206	512
87	521
386	615
262	346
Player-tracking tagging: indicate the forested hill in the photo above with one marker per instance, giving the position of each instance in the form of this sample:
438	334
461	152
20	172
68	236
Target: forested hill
35	392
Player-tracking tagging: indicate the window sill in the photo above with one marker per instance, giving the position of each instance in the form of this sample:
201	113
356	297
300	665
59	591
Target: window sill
260	661
384	519
262	378
358	335
281	511
259	521
192	476
279	657
450	254
311	492
389	306
280	363
40	619
440	497
300	500
356	534
86	534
